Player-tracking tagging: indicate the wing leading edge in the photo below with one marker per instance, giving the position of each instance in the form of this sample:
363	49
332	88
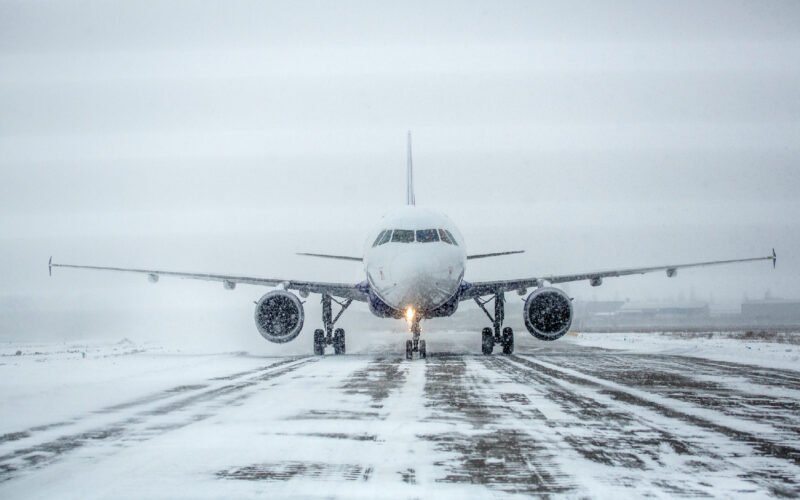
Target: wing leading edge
344	290
494	254
479	288
329	256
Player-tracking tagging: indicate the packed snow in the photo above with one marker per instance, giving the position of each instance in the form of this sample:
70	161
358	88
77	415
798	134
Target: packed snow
770	351
573	418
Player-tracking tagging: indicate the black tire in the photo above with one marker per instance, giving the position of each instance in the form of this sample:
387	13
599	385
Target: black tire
423	353
409	349
338	341
487	341
319	342
508	341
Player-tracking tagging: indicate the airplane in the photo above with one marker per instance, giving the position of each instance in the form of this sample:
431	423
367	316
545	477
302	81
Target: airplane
414	263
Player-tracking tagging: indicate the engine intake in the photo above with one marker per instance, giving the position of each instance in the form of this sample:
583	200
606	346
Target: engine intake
548	313
279	316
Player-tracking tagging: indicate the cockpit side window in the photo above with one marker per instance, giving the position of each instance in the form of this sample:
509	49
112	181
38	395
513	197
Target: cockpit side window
427	235
403	236
378	239
386	235
445	237
452	238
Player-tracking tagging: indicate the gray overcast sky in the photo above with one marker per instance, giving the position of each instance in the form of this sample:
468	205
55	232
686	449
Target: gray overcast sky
224	136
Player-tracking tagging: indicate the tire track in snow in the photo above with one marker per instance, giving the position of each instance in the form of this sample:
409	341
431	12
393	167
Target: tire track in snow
647	427
609	447
487	444
379	379
365	413
659	403
706	385
184	407
33	433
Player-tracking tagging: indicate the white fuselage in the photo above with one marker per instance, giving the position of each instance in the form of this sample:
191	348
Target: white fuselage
419	265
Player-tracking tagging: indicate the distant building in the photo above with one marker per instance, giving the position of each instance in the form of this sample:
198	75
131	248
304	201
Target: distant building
771	309
597	307
606	314
664	310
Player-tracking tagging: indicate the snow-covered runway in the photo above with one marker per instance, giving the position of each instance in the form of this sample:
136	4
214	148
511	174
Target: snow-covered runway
554	419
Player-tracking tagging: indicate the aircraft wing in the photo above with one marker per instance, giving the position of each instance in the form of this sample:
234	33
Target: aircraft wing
344	290
479	288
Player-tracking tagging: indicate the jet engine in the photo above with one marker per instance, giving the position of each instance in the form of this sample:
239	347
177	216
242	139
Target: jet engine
279	316
548	313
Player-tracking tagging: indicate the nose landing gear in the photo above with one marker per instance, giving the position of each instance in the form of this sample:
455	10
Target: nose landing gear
329	336
492	336
415	344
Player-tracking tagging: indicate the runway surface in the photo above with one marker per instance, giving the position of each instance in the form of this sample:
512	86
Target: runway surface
555	419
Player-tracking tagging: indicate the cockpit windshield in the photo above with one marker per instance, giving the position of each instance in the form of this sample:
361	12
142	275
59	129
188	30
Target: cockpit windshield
386	236
447	237
427	235
403	236
378	239
411	235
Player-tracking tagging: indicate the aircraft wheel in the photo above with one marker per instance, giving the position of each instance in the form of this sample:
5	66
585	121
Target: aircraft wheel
508	341
423	353
409	349
338	341
487	341
319	342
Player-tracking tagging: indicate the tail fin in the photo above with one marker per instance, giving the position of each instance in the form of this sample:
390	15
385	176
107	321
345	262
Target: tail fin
409	175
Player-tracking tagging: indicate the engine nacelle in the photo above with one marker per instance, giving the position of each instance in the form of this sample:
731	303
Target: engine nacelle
279	316
548	313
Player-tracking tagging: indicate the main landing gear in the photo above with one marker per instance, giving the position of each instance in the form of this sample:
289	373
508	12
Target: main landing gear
415	344
497	334
329	336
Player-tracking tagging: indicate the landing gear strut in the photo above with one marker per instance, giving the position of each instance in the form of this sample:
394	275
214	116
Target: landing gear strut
329	336
497	334
415	344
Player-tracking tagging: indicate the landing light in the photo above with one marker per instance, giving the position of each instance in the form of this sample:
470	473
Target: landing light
410	314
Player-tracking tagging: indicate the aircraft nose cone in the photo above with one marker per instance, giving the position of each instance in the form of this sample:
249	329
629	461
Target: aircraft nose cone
422	284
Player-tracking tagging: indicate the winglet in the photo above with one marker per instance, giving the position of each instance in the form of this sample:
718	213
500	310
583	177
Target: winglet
774	258
409	174
50	266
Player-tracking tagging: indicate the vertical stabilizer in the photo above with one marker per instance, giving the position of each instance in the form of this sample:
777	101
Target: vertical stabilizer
409	175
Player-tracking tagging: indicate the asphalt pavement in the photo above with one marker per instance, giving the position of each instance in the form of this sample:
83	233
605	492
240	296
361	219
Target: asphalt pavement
554	419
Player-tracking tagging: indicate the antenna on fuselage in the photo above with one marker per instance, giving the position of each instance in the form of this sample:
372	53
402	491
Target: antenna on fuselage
409	174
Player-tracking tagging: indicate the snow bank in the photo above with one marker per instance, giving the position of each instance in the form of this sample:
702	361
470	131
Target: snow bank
715	346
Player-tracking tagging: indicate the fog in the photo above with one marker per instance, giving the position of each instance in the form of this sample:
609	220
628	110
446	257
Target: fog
226	136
